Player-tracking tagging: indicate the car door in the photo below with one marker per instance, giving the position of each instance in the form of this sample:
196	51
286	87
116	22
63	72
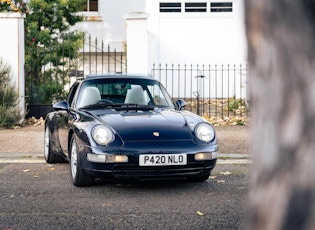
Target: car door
65	119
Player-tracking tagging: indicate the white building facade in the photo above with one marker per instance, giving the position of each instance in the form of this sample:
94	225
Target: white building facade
169	31
197	32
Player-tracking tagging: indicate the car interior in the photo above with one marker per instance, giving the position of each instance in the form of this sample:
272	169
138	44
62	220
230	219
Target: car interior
91	95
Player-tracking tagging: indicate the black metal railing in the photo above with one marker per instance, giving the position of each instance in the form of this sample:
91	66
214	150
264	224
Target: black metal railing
209	90
99	58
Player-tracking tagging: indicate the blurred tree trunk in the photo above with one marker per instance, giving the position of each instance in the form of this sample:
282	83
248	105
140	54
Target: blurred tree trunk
281	51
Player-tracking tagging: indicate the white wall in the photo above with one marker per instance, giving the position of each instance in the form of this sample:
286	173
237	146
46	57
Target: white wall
213	39
108	24
12	51
197	38
137	43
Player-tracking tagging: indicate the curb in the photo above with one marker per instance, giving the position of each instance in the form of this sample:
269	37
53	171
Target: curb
234	158
21	161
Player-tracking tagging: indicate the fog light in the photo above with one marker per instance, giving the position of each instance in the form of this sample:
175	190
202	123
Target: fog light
205	156
116	158
107	158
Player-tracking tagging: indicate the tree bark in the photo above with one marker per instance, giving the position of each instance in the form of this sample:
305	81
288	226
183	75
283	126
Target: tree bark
281	52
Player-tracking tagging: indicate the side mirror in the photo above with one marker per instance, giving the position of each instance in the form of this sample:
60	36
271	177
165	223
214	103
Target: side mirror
63	105
180	103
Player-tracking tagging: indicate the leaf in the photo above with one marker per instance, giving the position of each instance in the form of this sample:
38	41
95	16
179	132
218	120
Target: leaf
106	205
200	213
221	181
51	169
36	175
26	170
226	173
212	177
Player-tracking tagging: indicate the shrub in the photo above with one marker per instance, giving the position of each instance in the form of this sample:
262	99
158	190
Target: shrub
236	104
9	115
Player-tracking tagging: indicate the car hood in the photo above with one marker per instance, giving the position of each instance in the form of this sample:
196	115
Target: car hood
155	125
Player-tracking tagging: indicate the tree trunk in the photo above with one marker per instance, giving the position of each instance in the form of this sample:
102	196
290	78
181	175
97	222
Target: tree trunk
281	51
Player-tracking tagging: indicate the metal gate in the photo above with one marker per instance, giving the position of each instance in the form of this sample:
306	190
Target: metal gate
50	72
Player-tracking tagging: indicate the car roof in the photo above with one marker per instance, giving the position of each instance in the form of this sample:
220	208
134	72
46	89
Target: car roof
118	76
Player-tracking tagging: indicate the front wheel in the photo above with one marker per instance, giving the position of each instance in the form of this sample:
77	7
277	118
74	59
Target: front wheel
78	176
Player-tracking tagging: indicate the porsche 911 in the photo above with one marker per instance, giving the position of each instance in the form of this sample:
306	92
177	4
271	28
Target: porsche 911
123	126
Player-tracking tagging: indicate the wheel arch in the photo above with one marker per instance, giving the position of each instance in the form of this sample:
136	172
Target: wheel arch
52	153
71	133
50	124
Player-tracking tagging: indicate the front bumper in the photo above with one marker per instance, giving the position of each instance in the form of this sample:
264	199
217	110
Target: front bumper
132	169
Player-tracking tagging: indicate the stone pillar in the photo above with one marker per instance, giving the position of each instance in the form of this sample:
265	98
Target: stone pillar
137	43
12	51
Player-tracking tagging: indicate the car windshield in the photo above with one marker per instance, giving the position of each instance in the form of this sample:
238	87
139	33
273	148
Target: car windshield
122	92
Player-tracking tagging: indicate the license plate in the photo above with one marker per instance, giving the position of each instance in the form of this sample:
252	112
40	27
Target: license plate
162	159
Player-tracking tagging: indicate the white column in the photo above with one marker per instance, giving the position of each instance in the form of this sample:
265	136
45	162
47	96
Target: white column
12	51
137	43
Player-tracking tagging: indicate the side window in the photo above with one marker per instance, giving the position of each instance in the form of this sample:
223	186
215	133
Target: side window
157	95
221	7
73	89
170	7
90	5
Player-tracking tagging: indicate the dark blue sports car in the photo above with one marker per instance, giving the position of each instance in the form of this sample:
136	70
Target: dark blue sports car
127	127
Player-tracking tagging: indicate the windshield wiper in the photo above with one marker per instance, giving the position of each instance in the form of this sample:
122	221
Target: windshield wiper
120	107
133	107
97	106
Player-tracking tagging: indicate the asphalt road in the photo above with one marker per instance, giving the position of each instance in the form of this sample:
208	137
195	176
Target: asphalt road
41	196
36	195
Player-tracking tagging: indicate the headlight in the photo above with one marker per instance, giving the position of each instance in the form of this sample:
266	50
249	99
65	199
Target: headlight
102	135
204	132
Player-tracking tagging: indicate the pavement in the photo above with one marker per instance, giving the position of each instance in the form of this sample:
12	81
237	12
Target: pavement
26	144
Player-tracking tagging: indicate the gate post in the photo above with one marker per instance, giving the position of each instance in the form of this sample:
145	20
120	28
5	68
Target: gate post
137	43
12	52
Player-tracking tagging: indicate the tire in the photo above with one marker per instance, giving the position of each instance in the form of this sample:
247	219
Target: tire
49	155
78	176
200	178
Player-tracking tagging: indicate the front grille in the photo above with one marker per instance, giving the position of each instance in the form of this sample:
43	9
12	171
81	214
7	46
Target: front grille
131	171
